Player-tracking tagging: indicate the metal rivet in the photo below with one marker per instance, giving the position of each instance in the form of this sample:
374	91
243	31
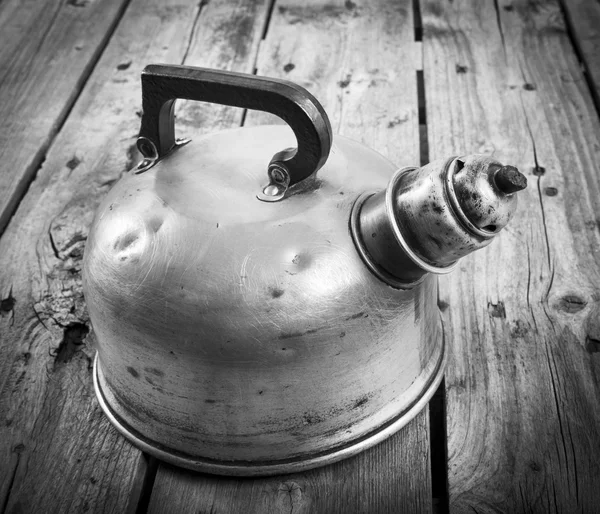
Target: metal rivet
272	190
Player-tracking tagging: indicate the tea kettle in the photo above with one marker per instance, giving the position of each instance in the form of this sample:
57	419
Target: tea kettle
264	299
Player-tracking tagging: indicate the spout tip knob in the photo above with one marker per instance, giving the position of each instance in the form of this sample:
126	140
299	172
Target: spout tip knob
509	180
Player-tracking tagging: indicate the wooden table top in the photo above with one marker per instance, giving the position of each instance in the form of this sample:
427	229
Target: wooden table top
515	426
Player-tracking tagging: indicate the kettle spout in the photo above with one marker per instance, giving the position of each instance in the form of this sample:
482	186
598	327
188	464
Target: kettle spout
428	218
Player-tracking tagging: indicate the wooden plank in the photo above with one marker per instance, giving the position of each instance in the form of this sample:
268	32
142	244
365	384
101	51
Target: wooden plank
522	315
389	478
583	18
58	453
47	51
358	59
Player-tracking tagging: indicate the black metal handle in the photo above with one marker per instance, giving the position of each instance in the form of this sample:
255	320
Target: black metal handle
163	84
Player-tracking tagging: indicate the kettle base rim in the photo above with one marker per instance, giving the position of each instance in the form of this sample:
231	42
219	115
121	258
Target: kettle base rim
269	468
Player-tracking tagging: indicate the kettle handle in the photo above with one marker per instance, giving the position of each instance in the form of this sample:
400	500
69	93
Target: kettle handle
163	84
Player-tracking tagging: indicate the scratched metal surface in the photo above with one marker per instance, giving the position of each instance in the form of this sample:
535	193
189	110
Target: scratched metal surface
254	333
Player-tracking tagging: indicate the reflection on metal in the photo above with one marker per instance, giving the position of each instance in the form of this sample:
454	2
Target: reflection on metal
360	233
150	154
279	183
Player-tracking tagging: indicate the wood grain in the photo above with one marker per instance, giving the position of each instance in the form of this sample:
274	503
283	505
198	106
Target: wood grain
583	18
390	478
48	51
522	315
359	59
58	453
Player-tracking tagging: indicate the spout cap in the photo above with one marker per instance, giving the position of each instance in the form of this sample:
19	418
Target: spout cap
482	191
509	179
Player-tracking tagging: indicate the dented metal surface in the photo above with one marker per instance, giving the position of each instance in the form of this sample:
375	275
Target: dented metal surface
240	336
245	337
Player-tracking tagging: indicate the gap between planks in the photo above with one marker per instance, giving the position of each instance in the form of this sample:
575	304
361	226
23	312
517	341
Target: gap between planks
32	168
582	18
438	437
144	482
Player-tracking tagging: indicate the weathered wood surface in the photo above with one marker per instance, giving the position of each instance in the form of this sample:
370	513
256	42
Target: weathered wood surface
47	52
522	316
390	478
58	452
583	17
359	59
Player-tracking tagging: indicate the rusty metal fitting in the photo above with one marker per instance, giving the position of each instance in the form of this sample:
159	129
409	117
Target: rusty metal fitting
430	217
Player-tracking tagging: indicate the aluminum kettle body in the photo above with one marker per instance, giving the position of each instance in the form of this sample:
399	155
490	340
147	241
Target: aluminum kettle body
253	323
